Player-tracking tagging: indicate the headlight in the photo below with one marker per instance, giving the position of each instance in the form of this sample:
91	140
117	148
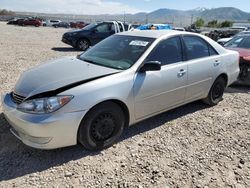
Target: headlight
72	34
44	105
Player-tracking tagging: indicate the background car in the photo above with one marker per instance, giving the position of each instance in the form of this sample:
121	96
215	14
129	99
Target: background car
51	22
61	24
78	25
241	44
94	33
31	22
14	21
179	28
223	41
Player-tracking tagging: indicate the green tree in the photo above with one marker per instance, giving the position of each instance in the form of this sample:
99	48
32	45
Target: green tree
226	24
6	12
213	23
199	22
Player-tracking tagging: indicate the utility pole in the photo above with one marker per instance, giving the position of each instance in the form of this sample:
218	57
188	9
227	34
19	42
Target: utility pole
192	17
124	17
173	21
146	18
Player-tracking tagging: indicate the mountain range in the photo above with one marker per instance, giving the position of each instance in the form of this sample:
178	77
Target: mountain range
164	15
180	17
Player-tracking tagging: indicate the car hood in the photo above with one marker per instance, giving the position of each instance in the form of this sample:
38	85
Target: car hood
78	31
74	31
65	73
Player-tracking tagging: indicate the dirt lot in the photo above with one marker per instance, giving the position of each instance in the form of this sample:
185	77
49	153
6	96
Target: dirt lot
192	146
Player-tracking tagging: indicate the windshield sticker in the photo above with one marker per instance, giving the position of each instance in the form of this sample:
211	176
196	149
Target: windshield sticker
138	43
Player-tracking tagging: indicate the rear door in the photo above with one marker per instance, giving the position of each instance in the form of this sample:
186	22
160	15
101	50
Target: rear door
202	61
159	90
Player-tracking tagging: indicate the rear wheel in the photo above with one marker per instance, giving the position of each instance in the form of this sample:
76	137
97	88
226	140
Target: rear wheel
216	92
102	126
83	44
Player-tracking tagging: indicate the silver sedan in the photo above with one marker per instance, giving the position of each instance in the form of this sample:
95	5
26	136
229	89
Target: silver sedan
124	79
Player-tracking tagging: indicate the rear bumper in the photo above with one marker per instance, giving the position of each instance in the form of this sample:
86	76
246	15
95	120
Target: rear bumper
47	131
244	75
233	77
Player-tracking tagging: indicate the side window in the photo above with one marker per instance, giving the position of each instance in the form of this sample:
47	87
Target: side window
196	47
103	28
167	52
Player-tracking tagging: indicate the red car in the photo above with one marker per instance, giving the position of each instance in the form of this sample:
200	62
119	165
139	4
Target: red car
33	22
78	25
241	44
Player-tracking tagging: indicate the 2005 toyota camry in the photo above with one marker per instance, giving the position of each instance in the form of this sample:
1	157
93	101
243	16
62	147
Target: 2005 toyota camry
124	79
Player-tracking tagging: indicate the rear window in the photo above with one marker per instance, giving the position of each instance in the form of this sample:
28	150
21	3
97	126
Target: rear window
239	42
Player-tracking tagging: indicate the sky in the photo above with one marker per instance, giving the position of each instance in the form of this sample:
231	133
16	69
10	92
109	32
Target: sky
115	6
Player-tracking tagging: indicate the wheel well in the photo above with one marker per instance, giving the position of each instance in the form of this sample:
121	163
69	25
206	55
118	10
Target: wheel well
124	109
224	76
84	39
121	104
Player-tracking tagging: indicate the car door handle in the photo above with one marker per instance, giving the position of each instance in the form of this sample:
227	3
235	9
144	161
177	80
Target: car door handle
181	73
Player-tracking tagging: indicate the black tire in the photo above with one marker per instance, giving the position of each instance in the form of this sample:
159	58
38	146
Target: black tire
216	92
102	126
83	44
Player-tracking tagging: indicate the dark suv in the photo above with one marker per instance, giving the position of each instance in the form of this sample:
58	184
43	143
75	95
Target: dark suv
90	35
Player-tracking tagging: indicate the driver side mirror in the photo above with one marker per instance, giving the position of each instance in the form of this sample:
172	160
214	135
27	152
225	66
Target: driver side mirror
151	66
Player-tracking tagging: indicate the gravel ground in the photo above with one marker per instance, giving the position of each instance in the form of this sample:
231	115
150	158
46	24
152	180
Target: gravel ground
192	146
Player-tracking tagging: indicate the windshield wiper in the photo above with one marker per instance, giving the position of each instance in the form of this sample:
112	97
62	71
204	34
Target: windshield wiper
90	61
95	63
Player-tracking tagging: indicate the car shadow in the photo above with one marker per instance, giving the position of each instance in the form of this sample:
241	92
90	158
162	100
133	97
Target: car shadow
17	160
65	49
237	88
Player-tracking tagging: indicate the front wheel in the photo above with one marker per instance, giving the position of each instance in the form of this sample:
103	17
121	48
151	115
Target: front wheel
102	126
216	92
83	44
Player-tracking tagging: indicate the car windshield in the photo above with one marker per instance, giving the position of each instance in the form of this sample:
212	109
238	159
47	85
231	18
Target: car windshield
117	51
239	42
90	26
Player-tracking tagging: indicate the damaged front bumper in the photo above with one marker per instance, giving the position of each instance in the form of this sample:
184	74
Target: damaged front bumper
43	131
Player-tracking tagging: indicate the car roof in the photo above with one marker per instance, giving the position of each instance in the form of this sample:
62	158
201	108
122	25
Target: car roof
152	33
243	35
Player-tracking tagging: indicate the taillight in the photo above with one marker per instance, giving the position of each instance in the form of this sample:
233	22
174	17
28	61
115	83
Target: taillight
247	58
